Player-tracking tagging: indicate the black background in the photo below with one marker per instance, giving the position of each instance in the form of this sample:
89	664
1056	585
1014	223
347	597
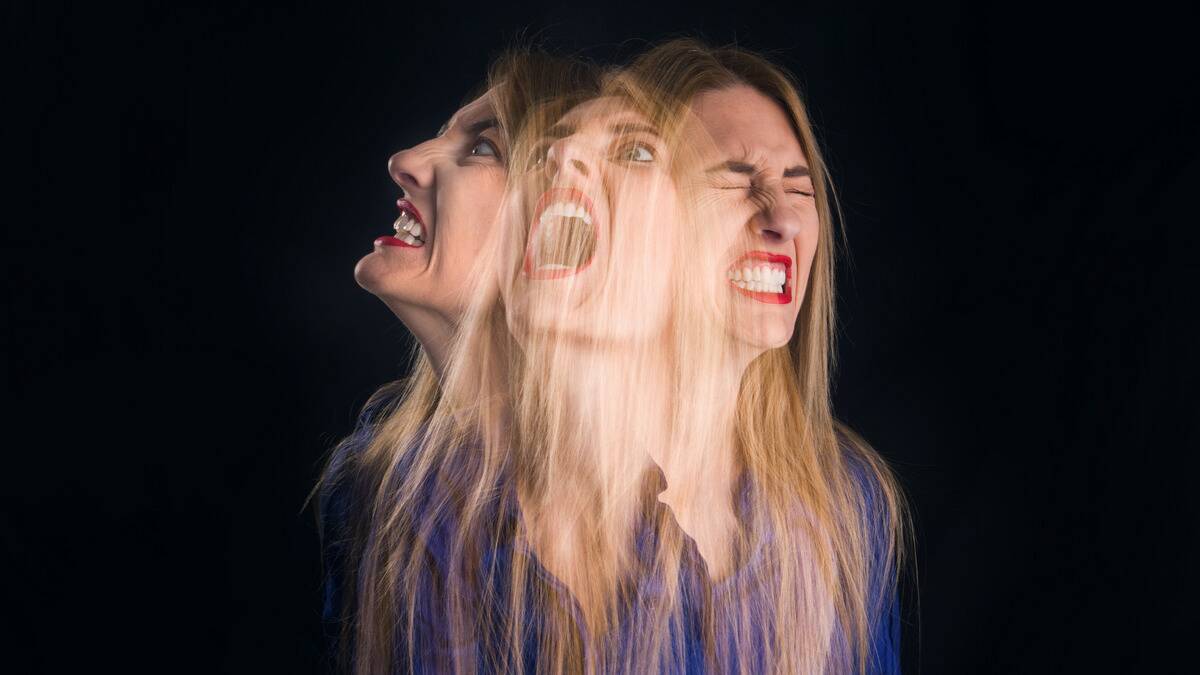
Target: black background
185	340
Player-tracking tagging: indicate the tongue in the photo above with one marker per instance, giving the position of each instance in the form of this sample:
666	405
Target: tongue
565	243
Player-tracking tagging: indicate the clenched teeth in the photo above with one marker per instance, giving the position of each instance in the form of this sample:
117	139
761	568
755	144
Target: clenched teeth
408	230
759	278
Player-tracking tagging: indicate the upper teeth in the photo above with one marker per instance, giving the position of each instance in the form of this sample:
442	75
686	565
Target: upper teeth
565	210
412	230
759	278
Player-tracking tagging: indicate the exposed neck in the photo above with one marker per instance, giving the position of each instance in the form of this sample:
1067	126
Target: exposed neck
432	330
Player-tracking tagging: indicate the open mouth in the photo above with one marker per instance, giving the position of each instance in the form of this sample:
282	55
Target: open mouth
410	229
562	236
765	277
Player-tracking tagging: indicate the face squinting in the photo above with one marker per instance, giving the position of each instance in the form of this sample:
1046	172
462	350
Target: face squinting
452	189
600	206
757	187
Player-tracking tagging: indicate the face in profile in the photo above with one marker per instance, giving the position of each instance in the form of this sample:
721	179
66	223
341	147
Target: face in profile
452	189
598	210
759	200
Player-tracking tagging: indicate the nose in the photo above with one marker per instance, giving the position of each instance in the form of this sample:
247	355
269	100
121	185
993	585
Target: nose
776	220
567	157
412	169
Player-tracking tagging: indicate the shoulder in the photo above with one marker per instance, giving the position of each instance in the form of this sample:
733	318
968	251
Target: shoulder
878	491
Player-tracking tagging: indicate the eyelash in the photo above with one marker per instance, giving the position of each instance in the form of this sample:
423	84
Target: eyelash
625	150
480	141
754	188
538	156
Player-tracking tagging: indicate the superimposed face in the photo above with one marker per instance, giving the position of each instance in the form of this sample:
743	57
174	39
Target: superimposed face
598	211
759	197
452	187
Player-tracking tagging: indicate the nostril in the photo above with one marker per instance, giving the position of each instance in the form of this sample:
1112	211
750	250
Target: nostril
579	166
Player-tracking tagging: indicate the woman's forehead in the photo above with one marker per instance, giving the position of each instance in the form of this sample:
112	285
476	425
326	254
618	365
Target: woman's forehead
600	110
475	111
742	119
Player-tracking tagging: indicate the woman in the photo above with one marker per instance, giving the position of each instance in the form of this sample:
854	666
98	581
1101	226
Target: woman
787	563
766	186
450	194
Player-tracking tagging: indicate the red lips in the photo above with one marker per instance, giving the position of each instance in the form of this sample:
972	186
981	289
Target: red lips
761	296
389	240
405	206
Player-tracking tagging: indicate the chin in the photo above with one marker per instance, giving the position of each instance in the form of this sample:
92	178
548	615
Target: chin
769	337
369	274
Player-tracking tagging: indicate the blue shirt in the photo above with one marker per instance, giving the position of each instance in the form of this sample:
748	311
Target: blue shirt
340	504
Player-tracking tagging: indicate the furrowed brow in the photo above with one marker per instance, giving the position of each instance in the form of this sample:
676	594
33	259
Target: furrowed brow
733	166
798	171
482	125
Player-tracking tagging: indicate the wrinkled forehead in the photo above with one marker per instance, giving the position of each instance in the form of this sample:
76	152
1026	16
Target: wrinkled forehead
474	112
599	112
741	120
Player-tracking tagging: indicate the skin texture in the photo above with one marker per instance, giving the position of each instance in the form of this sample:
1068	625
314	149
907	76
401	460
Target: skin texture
746	144
756	207
602	322
622	301
608	153
456	180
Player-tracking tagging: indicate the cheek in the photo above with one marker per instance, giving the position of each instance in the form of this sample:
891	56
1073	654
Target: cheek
482	193
806	245
467	215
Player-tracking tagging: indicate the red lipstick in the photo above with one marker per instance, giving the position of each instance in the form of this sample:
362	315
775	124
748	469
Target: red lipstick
408	207
389	240
772	262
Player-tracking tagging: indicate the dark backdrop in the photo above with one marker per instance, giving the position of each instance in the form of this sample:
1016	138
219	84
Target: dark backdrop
185	340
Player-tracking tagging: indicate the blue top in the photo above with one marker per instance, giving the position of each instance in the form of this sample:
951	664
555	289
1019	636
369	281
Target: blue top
339	507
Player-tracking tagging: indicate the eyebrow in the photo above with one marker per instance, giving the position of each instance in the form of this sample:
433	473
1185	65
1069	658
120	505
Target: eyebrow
632	127
561	130
472	128
736	166
482	125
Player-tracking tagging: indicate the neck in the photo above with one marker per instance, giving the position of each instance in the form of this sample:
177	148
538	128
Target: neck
432	330
701	465
631	418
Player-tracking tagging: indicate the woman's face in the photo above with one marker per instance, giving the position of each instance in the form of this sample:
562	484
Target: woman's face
599	208
757	185
451	192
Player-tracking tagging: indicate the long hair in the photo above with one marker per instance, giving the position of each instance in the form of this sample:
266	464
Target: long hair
498	428
355	481
849	545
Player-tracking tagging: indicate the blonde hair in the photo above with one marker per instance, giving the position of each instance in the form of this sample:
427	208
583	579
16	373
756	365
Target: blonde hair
833	510
362	466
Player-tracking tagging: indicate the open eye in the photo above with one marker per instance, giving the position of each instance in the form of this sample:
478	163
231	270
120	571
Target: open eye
637	152
484	148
